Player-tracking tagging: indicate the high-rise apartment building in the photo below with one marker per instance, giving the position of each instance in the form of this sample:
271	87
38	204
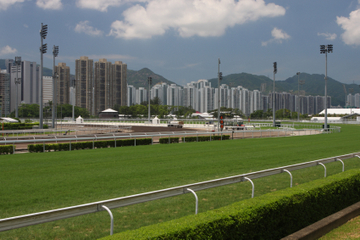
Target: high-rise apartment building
4	93
119	84
63	83
84	83
103	89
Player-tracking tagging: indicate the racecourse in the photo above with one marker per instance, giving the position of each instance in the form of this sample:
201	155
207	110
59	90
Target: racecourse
34	182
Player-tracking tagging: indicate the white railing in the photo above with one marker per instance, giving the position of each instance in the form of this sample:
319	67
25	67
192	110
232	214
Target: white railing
73	211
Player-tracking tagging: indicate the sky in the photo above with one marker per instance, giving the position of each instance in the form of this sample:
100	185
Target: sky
182	40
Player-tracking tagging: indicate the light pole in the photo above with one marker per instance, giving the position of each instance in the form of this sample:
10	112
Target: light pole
55	54
73	101
43	49
219	92
298	101
326	49
273	100
17	82
149	81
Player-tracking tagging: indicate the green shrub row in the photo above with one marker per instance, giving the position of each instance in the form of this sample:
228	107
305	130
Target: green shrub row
169	140
16	126
205	138
270	216
7	149
87	145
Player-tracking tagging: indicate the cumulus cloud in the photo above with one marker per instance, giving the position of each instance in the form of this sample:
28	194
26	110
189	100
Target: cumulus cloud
328	36
7	50
202	18
103	5
351	27
4	4
83	27
278	36
49	4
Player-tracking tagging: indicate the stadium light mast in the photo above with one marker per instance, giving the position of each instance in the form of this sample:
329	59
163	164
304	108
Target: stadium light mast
273	100
17	82
55	54
298	104
325	49
43	49
149	81
219	92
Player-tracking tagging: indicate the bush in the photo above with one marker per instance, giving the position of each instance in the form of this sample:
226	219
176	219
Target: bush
270	216
166	140
7	149
205	138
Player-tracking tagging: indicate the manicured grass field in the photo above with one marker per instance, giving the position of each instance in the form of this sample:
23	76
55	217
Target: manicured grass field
43	181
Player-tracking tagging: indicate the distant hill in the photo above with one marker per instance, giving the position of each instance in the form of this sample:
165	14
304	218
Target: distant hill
314	83
140	78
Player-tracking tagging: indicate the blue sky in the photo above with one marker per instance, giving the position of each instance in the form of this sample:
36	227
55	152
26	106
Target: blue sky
183	39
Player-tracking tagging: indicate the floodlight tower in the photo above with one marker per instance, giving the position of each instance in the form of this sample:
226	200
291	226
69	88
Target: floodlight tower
149	81
273	100
298	104
326	49
55	54
17	82
219	92
43	49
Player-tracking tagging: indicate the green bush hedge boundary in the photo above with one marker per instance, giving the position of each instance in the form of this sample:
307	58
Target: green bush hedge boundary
87	145
270	216
19	126
7	149
169	140
205	138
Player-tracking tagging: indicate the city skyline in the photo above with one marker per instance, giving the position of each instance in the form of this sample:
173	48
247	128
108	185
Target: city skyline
247	35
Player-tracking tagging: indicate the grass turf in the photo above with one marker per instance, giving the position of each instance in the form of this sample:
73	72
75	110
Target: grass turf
42	181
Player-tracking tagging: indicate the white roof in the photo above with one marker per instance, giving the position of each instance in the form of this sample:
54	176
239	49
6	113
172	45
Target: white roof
342	111
322	119
109	110
11	120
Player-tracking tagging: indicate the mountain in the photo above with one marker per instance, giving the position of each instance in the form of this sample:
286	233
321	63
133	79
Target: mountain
140	78
314	85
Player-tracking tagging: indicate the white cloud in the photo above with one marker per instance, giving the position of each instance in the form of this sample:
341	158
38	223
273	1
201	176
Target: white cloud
328	36
26	26
351	27
49	4
278	36
7	50
83	27
103	5
190	17
4	4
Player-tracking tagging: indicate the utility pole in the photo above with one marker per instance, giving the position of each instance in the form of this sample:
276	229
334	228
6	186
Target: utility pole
273	100
55	54
219	93
298	101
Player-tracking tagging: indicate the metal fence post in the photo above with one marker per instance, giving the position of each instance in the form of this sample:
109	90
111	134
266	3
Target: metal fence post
343	165
291	178
324	168
253	186
196	200
111	219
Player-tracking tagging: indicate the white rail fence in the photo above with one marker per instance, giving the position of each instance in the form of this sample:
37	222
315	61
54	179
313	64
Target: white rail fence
73	211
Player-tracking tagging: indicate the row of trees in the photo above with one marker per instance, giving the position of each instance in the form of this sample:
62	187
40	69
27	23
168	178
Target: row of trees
63	110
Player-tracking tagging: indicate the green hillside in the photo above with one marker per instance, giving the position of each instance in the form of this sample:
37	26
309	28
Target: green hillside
140	78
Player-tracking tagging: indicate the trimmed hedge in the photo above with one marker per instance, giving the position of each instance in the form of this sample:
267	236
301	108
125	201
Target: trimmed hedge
7	149
20	126
205	138
166	140
270	216
87	145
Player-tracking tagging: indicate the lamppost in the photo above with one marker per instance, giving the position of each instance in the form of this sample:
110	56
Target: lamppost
326	49
149	81
273	100
73	101
55	54
219	93
43	49
298	104
17	82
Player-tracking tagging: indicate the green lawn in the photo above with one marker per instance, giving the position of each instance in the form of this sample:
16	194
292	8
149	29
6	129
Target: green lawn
43	181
